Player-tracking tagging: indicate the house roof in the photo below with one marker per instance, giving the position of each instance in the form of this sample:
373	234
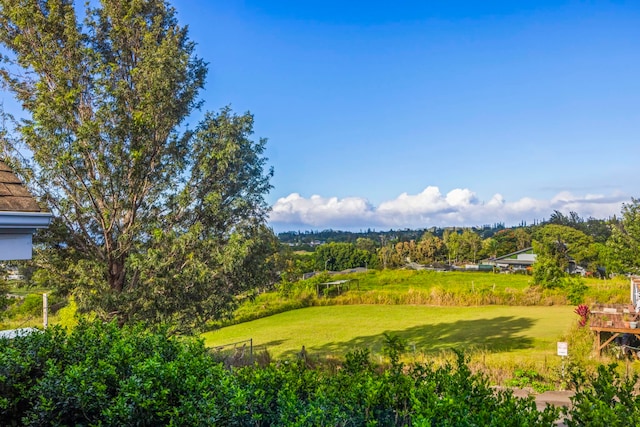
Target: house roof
14	196
514	255
523	257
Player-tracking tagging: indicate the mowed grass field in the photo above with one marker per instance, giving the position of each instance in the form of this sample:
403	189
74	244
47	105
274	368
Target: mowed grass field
529	332
424	279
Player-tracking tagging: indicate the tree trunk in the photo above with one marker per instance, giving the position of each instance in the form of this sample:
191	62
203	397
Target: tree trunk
116	275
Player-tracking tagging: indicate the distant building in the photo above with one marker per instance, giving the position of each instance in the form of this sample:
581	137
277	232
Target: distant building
519	260
20	217
524	259
12	273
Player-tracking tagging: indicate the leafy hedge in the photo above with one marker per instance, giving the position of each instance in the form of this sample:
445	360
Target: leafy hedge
604	399
99	374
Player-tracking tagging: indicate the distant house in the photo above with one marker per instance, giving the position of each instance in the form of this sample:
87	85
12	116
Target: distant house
519	260
20	217
524	259
12	273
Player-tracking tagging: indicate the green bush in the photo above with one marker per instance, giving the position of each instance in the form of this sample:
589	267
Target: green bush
603	399
31	305
99	374
575	288
528	378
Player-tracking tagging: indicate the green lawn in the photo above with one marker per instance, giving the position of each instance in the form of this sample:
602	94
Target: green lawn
401	280
530	332
612	290
18	288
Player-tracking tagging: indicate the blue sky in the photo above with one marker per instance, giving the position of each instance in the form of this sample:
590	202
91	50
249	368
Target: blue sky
414	114
410	114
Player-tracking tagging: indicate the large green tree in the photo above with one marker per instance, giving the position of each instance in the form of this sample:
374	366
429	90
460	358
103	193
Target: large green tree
625	239
470	245
555	247
430	249
155	221
341	256
506	241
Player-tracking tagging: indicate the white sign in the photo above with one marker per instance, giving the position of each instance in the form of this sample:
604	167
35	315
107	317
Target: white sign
563	349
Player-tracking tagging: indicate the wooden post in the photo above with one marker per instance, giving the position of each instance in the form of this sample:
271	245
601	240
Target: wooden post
45	311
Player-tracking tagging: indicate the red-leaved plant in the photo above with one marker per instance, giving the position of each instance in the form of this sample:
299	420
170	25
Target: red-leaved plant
583	311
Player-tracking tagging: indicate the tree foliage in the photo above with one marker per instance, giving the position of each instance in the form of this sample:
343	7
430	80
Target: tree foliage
596	228
511	240
430	249
555	247
154	221
342	256
470	245
452	242
625	239
603	398
577	245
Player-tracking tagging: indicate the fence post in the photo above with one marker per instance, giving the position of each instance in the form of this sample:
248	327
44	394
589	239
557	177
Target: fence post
45	310
251	350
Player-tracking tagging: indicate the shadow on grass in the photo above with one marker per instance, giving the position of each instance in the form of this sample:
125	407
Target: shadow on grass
271	343
494	335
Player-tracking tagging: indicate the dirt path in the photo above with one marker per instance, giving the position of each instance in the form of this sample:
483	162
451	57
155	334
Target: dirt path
555	398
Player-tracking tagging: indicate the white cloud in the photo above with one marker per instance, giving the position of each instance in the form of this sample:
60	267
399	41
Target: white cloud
461	197
459	207
320	212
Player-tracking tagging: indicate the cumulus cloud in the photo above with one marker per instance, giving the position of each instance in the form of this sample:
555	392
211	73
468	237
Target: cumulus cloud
458	207
320	212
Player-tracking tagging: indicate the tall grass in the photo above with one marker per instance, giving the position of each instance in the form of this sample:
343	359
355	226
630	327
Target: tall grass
406	287
612	291
448	297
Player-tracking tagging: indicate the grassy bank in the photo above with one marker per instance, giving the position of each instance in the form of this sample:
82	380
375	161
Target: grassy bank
405	287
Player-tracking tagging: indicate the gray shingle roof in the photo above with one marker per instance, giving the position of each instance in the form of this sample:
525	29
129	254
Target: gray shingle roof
14	196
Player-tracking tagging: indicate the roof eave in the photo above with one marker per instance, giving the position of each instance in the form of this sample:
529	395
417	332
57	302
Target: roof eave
27	220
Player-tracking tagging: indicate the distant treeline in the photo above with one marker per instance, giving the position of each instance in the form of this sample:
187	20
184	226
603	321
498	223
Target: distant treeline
594	244
598	229
313	238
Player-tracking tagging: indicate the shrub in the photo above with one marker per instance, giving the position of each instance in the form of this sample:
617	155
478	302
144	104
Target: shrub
580	342
528	378
99	374
603	399
31	305
358	361
67	315
575	288
583	311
